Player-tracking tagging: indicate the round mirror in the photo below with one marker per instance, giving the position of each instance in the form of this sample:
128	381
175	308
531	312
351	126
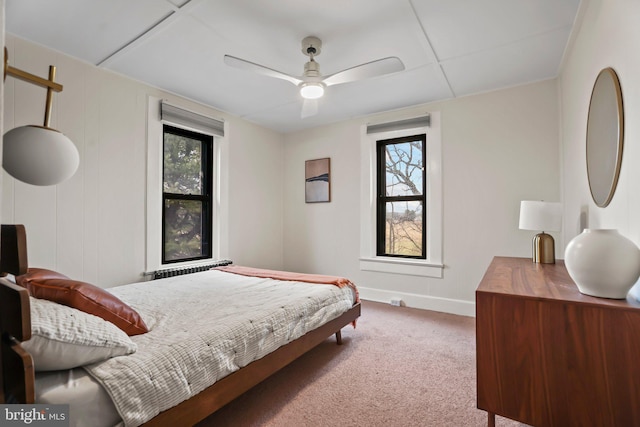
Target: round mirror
605	130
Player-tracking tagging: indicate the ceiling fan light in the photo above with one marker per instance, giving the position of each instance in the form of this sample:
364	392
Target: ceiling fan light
312	90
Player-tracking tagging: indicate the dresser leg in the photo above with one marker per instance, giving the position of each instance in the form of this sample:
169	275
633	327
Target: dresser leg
491	419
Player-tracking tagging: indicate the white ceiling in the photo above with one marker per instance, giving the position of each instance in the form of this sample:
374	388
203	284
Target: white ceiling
450	48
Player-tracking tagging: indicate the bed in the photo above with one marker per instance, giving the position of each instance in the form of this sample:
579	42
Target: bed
217	333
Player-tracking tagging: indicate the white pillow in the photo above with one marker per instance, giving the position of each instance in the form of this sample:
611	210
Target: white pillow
64	338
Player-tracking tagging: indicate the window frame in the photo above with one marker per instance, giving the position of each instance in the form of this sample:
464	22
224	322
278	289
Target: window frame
220	187
433	265
382	198
206	196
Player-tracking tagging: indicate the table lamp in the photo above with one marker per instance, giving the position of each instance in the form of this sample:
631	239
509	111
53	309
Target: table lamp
541	216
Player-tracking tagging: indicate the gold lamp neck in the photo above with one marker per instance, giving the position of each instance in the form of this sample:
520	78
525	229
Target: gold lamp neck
49	104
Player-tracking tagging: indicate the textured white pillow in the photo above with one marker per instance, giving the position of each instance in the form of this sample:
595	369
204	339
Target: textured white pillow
63	337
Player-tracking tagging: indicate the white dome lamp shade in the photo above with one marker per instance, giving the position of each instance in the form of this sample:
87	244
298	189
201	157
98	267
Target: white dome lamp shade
38	155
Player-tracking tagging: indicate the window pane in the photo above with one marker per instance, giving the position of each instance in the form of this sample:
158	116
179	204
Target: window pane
182	165
183	229
403	229
404	168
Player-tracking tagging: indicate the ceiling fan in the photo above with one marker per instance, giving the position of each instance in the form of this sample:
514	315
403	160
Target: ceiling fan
312	84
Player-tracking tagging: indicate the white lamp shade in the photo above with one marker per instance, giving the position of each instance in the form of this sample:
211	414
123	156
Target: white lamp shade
38	155
540	216
312	90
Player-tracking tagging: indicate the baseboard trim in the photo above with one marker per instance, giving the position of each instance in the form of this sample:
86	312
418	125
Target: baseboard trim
425	302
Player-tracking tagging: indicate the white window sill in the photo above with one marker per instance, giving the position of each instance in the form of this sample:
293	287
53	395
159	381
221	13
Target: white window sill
402	266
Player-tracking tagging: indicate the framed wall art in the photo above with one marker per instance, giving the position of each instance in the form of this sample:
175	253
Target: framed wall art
317	180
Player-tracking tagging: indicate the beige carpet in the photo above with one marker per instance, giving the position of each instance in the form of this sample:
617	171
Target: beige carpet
399	367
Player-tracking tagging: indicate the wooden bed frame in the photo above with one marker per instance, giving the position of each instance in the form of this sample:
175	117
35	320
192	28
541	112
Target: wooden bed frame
18	378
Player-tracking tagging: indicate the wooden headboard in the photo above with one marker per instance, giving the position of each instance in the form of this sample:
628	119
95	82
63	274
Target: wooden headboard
13	249
17	373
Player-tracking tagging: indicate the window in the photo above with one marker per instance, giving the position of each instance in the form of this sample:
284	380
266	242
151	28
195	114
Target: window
201	121
186	195
401	197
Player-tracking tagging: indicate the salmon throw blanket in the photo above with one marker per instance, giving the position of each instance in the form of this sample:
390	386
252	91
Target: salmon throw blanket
340	282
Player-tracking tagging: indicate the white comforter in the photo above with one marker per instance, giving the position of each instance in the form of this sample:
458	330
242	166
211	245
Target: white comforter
204	326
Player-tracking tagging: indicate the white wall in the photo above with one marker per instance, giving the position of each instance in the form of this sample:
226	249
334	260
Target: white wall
498	148
608	37
92	227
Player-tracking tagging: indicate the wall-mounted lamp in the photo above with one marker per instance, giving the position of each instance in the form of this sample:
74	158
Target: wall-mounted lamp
38	155
541	216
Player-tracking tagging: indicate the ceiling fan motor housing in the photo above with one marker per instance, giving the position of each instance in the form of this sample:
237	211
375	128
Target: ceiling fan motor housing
311	46
312	69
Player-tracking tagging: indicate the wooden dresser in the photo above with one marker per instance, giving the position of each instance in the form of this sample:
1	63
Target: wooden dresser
548	355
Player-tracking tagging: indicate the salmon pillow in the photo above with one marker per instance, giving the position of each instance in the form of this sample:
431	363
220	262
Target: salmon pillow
56	287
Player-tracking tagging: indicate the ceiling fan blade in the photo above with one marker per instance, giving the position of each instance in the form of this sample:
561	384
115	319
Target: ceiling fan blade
309	108
379	67
251	66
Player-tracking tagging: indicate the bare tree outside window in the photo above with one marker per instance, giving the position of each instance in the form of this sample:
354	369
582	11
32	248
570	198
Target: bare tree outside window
401	197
